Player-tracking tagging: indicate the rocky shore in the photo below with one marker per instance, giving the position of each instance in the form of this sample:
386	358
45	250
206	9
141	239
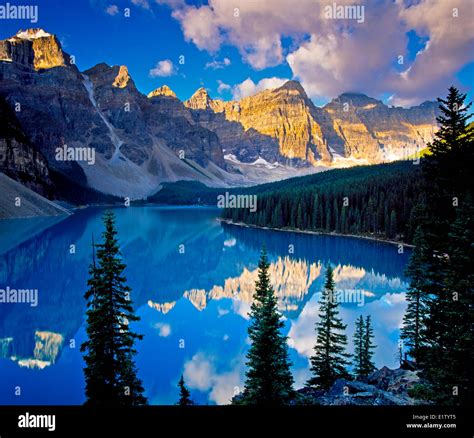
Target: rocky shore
383	387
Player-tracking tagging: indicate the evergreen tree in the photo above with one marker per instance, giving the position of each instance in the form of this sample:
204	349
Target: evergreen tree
110	371
330	359
268	378
449	360
299	219
417	297
363	347
369	346
382	198
393	224
184	394
440	273
359	334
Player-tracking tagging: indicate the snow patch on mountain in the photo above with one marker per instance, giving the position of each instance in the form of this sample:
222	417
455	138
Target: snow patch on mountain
31	34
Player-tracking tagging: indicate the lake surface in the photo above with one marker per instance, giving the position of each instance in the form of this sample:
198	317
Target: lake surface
192	281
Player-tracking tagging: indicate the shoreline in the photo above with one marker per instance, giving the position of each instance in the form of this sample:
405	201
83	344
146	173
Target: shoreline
316	233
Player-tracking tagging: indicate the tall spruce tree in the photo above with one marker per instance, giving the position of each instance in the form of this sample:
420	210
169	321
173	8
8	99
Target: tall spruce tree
417	297
268	378
330	358
184	394
438	274
369	346
110	371
358	359
363	347
449	360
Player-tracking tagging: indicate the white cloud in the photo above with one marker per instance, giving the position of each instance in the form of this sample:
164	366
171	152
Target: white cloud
302	332
198	27
222	312
162	69
334	56
241	308
200	373
450	46
249	87
216	64
232	241
143	3
164	330
220	89
112	10
172	3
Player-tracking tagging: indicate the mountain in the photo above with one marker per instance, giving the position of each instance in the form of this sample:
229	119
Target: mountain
19	158
284	125
18	201
366	128
134	143
275	125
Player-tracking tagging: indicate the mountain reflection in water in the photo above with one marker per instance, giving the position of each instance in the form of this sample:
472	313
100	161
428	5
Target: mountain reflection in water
192	281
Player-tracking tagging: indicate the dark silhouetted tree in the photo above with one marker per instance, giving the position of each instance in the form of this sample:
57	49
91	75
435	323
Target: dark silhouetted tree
110	371
330	358
268	378
184	394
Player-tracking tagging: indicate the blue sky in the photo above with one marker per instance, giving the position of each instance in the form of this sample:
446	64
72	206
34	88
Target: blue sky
263	46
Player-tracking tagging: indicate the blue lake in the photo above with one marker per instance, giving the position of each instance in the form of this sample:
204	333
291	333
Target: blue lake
192	280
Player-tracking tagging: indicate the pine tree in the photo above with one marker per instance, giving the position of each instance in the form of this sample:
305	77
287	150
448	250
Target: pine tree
299	218
268	378
184	394
330	359
437	274
448	168
315	217
450	359
369	346
363	347
359	334
110	371
417	297
393	224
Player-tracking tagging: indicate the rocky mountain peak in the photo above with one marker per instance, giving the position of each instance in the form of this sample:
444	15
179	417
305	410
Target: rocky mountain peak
35	48
30	34
162	91
122	78
116	76
293	87
358	100
200	100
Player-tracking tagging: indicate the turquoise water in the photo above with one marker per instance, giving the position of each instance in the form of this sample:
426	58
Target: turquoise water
192	280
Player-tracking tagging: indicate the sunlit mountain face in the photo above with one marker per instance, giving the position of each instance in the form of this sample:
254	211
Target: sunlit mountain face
192	281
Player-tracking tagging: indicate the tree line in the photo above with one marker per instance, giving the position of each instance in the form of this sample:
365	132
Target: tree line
378	200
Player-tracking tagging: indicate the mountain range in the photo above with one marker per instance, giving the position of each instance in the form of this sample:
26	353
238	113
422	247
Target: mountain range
140	141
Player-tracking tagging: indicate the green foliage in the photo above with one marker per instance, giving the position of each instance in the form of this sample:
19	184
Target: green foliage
363	347
439	322
330	358
421	392
413	330
110	371
376	200
268	378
